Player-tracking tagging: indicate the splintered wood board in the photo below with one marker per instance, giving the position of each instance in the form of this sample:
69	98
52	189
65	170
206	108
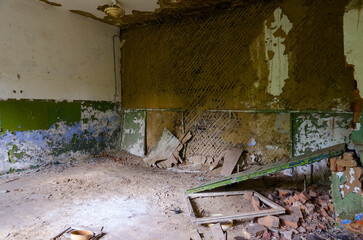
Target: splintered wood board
275	208
271	168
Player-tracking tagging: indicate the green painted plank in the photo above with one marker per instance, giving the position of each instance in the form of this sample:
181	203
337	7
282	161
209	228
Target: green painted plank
271	168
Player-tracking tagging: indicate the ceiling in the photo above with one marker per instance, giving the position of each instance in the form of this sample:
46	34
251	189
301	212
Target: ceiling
90	6
140	12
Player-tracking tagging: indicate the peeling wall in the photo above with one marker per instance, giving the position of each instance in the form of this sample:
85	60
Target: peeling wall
237	71
276	30
57	85
37	132
353	39
314	131
347	190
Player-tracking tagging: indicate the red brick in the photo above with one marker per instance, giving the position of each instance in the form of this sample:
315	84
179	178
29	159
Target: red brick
283	192
269	221
290	221
304	195
331	207
296	212
301	229
322	226
313	194
311	227
324	213
266	235
255	203
290	200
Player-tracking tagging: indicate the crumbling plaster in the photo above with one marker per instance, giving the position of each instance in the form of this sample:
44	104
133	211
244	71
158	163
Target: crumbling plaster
353	40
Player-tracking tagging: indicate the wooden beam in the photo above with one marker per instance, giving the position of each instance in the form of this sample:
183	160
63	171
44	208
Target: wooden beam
271	168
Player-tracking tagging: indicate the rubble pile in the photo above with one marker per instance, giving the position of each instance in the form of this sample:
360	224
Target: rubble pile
307	211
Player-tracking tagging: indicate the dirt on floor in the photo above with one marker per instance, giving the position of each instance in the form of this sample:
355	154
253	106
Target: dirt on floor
130	200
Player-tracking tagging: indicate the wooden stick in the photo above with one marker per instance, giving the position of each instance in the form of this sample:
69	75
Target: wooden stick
60	234
12	180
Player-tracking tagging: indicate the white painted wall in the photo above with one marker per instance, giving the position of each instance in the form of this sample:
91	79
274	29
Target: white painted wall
47	52
353	40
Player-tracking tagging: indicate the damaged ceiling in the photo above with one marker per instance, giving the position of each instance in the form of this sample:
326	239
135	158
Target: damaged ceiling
139	13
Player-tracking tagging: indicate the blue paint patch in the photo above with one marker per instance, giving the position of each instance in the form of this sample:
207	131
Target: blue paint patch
61	140
346	221
252	143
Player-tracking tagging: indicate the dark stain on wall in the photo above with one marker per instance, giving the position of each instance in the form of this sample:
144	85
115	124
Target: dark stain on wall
218	62
207	61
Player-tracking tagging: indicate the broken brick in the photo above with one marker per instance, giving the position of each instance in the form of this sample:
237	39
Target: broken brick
290	200
283	192
269	221
296	212
313	194
331	207
266	235
290	221
311	227
324	213
255	203
304	196
301	229
253	230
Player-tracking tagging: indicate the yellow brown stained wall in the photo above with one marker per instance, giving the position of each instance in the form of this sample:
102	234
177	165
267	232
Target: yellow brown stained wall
221	62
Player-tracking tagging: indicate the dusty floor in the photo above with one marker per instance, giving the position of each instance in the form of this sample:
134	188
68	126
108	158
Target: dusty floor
129	200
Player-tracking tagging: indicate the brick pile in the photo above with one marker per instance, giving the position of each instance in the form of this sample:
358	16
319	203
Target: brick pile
305	212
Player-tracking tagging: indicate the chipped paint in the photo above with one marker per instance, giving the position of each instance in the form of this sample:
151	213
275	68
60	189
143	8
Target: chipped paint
347	203
276	32
133	132
353	40
96	130
316	131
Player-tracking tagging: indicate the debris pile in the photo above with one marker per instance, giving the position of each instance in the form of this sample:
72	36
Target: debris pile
306	211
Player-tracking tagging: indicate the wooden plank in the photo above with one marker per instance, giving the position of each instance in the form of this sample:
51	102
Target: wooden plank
217	232
268	201
271	168
231	158
249	215
190	207
216	194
